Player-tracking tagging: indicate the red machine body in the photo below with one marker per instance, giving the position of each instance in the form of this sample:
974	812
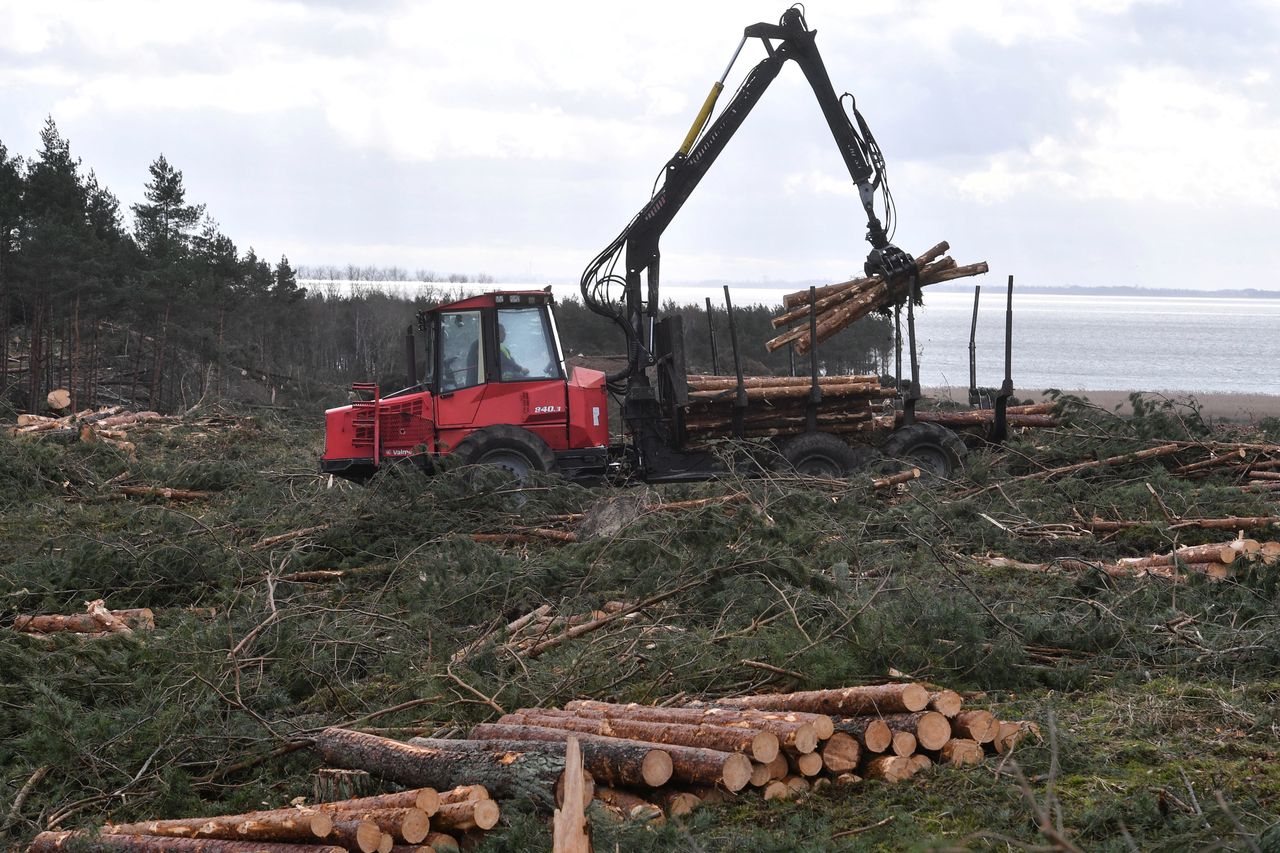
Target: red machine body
493	363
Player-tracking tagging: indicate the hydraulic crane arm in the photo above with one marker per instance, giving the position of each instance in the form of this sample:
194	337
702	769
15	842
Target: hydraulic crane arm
637	245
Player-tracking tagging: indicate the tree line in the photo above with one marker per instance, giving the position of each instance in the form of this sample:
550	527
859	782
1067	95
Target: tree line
160	309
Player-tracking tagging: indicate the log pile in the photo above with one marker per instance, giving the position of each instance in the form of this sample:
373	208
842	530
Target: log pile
840	305
1031	415
111	426
1217	561
778	405
421	820
651	762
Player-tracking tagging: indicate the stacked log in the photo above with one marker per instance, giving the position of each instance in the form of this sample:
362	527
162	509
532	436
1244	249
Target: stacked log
1033	415
778	405
840	305
419	819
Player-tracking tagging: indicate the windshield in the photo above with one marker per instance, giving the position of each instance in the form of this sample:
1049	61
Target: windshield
461	356
525	349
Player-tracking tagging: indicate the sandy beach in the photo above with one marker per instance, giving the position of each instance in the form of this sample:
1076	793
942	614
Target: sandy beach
1235	408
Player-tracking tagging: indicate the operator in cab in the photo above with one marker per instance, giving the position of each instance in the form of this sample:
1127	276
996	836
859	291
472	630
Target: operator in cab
510	367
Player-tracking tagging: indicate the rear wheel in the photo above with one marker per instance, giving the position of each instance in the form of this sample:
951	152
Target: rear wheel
509	448
934	449
820	454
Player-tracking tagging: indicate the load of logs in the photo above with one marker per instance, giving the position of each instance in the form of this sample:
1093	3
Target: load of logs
840	305
645	761
1217	561
419	820
778	405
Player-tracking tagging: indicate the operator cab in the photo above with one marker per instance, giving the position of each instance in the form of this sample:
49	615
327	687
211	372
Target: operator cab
498	337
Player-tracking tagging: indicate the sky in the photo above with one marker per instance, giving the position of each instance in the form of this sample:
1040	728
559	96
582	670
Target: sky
1069	142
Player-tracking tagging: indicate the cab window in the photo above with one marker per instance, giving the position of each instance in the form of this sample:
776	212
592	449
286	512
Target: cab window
461	355
525	346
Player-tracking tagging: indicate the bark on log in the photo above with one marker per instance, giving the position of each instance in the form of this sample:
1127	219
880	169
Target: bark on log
793	733
84	623
848	701
270	825
54	842
463	793
709	382
841	753
689	765
978	726
1121	459
506	775
760	745
871	733
478	814
962	751
404	825
630	806
622	763
889	768
425	800
930	728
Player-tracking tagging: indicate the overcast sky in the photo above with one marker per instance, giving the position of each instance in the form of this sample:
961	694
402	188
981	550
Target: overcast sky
1091	142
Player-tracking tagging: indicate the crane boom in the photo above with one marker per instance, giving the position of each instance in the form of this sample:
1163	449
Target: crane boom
637	245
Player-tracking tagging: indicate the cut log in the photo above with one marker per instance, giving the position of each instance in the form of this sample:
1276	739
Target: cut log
689	765
141	619
919	763
425	800
760	775
361	835
806	764
483	814
677	803
570	832
962	751
760	745
871	699
789	726
779	768
404	825
507	775
978	726
778	790
303	825
1011	733
84	842
630	806
619	764
442	842
797	784
709	382
463	793
871	733
904	744
59	399
946	702
889	768
930	728
841	753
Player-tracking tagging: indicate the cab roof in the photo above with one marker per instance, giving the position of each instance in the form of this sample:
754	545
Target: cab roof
498	299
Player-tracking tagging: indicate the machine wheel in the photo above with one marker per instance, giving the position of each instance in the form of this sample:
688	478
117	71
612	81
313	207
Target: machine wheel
510	448
821	454
934	449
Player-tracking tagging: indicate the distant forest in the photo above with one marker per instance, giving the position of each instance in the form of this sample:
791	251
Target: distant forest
158	308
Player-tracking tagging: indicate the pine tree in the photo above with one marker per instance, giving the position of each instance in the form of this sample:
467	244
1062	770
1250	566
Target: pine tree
285	288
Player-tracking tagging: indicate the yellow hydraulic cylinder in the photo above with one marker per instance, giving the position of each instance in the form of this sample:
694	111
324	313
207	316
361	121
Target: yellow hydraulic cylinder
707	106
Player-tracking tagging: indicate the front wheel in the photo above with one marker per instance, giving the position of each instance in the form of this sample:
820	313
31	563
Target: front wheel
512	449
934	449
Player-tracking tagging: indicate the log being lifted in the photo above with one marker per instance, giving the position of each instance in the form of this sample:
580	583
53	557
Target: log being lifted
54	842
530	775
761	745
845	701
689	765
270	825
624	763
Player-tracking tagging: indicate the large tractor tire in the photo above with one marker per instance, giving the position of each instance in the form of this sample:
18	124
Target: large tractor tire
934	449
510	448
821	454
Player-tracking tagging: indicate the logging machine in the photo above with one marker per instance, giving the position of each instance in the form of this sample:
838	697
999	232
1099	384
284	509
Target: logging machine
497	391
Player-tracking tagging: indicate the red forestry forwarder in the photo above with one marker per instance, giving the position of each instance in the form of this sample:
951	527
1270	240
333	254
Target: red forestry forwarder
497	391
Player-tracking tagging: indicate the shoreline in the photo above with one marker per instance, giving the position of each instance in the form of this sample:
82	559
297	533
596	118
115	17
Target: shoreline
1219	406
